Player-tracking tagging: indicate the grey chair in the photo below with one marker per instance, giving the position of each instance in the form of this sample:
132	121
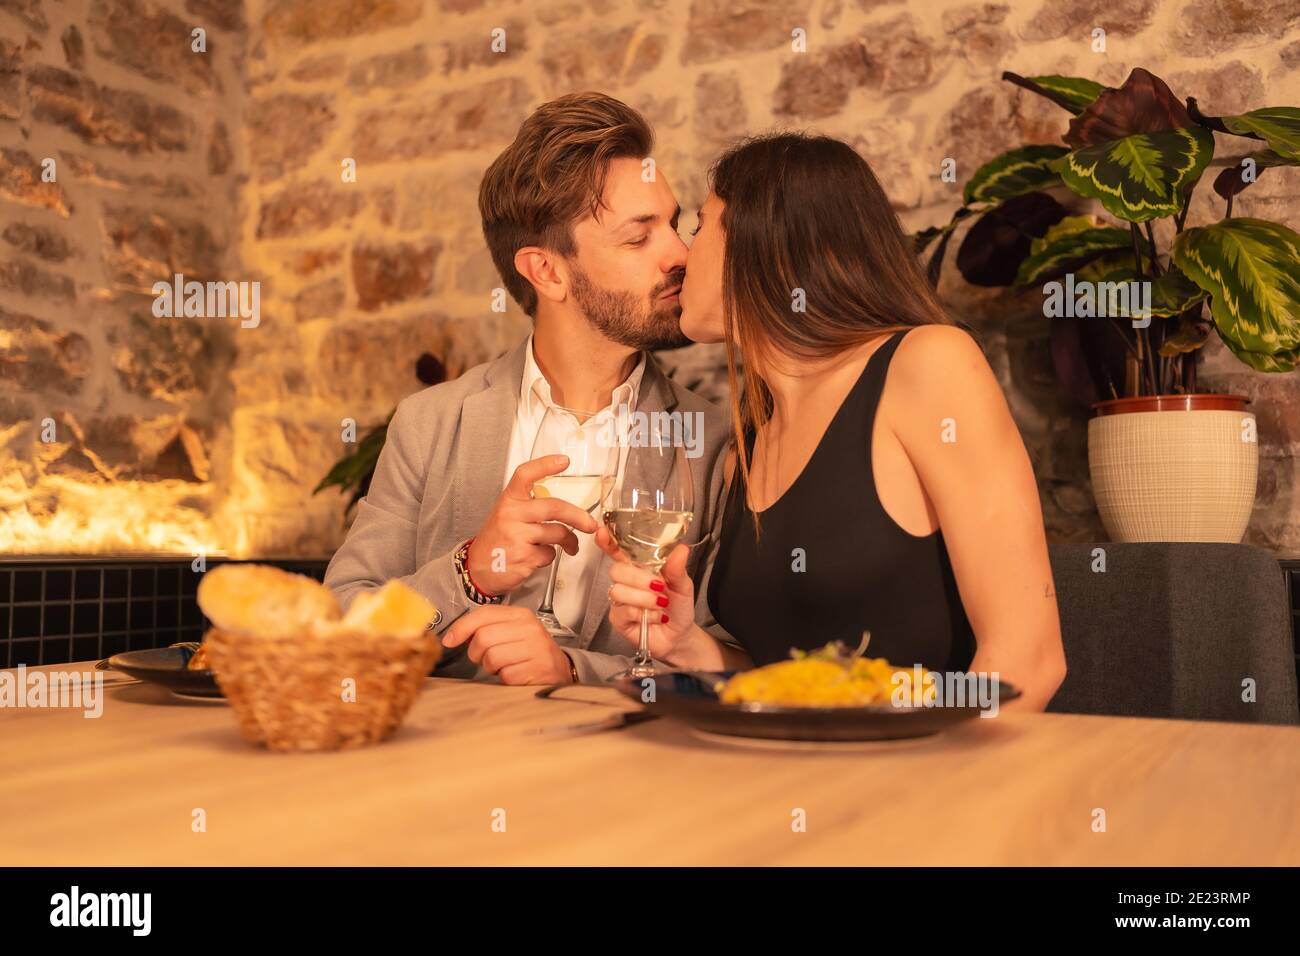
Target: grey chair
1173	630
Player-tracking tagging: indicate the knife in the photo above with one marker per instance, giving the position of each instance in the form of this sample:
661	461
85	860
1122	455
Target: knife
613	722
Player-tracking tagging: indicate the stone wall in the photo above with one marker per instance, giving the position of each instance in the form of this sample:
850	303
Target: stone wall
117	170
331	150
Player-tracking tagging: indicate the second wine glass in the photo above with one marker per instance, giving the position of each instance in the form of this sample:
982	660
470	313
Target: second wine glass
647	502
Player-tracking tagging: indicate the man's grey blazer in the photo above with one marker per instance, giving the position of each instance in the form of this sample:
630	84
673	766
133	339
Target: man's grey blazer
441	471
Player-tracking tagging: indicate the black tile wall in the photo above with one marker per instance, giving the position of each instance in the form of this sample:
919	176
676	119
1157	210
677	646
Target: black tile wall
60	611
54	611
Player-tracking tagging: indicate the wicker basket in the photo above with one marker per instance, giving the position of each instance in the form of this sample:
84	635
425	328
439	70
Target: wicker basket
1174	475
294	695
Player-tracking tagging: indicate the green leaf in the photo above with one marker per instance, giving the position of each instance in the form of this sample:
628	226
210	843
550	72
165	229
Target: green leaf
1251	269
1140	177
1191	335
1072	242
1112	267
1262	361
1012	174
1073	92
1279	126
1070	92
1173	294
351	470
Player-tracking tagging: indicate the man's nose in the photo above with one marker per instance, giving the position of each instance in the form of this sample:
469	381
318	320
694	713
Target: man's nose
676	259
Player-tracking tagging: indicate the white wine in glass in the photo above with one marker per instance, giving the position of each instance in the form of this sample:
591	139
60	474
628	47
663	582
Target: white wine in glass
564	431
647	537
581	491
648	501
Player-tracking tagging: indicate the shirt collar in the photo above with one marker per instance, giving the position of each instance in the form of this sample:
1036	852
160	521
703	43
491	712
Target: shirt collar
535	390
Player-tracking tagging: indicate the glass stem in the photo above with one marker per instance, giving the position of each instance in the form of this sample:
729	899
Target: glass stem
549	597
643	652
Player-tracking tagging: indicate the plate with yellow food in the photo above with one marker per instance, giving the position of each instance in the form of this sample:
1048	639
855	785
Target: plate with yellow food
830	694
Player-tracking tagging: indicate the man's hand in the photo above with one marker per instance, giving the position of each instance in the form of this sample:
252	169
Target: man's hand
520	534
511	643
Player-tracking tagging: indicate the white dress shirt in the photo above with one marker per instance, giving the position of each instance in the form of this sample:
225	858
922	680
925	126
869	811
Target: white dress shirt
577	572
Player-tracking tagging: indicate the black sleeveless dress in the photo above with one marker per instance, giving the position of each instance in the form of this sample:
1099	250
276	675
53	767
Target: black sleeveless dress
831	563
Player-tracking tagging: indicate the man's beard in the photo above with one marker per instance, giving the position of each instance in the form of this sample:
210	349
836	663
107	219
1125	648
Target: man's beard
651	324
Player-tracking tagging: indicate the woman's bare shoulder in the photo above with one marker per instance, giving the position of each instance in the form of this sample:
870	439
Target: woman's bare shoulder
942	375
930	347
941	362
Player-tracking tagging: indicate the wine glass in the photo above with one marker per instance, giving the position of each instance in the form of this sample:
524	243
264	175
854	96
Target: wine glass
565	431
648	501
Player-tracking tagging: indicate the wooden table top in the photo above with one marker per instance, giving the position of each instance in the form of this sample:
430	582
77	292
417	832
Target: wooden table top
1018	789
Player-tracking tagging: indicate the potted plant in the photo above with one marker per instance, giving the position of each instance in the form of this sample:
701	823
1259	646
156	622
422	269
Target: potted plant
353	472
1132	299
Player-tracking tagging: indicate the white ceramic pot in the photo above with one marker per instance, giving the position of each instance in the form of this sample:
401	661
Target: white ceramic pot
1174	467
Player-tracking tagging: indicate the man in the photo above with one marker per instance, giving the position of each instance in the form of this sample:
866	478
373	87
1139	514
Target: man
587	244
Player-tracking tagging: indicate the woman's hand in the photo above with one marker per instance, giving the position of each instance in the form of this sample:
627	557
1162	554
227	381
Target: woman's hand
668	597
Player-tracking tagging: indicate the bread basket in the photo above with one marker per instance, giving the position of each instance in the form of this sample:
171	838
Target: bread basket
327	683
320	693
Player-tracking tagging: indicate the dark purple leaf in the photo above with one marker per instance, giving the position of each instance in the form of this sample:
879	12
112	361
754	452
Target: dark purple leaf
992	251
1144	104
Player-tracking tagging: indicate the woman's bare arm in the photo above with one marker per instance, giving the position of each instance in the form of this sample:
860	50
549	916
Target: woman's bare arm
957	430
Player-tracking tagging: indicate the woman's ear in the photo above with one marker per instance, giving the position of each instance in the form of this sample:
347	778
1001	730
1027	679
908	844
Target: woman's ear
540	268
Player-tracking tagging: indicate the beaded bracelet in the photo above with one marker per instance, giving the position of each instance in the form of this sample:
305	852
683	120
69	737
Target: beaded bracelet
472	591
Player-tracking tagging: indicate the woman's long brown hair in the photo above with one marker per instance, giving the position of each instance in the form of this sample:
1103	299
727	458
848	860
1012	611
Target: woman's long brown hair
805	212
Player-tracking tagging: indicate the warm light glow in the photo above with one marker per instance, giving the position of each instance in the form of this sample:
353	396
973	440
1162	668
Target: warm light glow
128	517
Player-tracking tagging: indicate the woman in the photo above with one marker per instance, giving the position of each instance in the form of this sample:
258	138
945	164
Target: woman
877	481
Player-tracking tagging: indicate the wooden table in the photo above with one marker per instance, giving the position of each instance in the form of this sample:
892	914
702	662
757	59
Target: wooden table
1019	789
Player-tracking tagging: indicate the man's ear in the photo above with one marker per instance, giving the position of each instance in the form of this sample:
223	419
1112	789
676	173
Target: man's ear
542	269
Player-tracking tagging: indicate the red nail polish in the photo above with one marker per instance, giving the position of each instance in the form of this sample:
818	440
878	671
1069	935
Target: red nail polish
656	585
662	600
664	619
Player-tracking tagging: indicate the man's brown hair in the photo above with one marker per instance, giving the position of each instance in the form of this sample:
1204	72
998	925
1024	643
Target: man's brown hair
551	175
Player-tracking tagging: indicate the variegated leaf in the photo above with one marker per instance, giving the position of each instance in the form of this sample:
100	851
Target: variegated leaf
1279	126
1263	361
1069	92
1173	294
1251	269
1140	177
1072	242
1073	92
1014	173
1190	335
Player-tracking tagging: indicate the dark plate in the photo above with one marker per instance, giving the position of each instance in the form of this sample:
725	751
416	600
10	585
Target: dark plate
167	666
690	698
